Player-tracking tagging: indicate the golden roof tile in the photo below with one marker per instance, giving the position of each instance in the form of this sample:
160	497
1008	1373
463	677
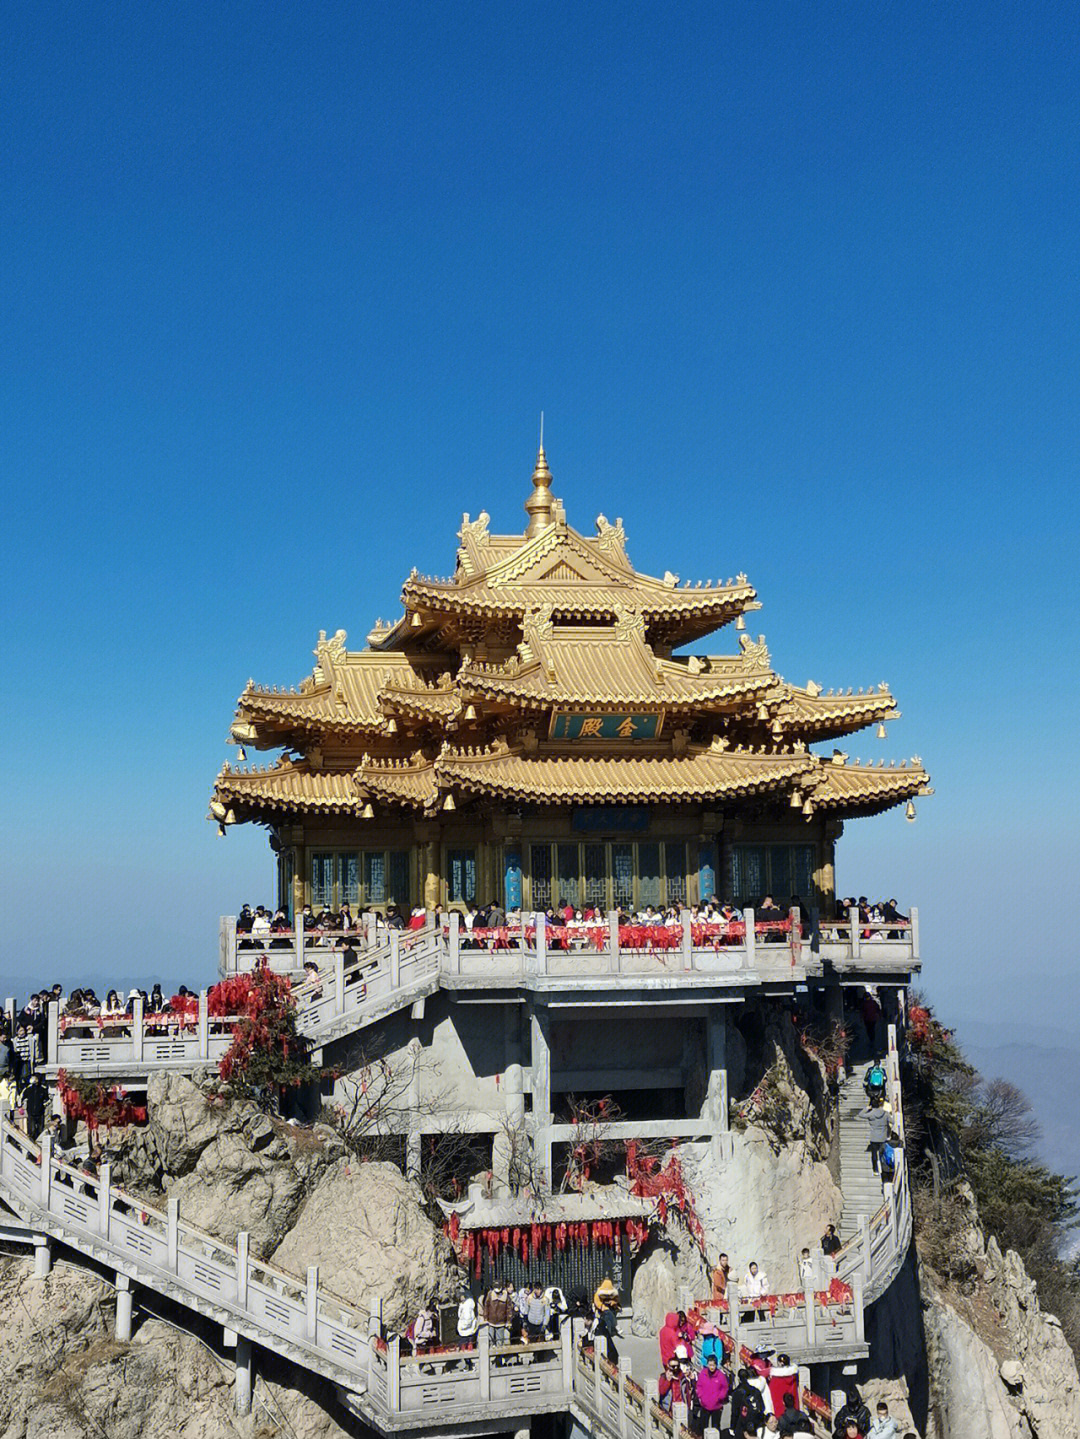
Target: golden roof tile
867	789
619	778
287	787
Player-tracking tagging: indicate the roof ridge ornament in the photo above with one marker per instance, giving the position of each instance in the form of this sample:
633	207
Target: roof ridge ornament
540	506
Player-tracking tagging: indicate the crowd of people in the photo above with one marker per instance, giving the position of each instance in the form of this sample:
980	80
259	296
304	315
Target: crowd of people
23	1050
748	1400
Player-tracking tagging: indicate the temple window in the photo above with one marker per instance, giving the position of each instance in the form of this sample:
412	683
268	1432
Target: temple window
603	876
781	870
322	879
368	878
460	876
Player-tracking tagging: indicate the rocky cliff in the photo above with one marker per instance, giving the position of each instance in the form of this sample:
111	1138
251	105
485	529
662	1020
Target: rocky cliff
64	1376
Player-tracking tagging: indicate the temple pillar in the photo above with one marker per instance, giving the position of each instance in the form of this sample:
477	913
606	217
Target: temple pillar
299	879
430	874
540	1063
485	876
716	1067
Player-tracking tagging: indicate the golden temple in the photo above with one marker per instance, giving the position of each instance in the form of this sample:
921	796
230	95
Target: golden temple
526	732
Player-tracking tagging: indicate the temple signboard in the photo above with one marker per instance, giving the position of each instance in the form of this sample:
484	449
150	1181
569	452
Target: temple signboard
575	726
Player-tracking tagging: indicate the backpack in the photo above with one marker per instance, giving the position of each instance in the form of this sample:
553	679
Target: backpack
876	1078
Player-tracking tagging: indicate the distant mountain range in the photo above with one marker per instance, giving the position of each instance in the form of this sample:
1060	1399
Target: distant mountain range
1044	1063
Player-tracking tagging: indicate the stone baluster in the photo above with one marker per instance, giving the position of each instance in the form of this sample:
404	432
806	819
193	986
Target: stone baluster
483	1362
393	1374
455	942
172	1234
104	1198
138	1029
311	1304
203	1026
614	953
853	921
751	938
339	981
243	1245
914	935
624	1375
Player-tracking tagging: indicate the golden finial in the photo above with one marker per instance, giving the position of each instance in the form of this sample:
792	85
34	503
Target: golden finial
540	505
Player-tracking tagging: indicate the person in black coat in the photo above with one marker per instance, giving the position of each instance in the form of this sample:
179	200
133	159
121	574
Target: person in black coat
746	1403
854	1410
34	1099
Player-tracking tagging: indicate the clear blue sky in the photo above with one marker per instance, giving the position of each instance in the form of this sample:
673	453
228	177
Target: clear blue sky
285	288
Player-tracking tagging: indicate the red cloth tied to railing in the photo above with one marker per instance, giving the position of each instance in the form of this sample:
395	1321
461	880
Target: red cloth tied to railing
631	936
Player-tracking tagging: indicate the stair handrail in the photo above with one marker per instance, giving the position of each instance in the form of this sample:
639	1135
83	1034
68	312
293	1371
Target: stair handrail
149	1217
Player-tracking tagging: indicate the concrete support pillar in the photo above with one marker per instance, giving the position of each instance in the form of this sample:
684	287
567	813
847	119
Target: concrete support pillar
123	1308
485	873
540	1059
244	1375
716	1066
42	1257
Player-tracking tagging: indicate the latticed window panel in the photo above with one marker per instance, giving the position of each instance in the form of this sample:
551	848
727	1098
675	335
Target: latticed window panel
622	873
569	875
803	871
322	879
675	873
540	873
596	875
461	876
780	870
349	871
375	876
649	875
399	878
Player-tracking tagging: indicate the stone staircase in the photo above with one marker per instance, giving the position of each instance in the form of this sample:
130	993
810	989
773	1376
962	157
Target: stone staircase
863	1190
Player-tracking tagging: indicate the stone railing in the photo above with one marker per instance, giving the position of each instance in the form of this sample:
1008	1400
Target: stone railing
875	1256
137	1041
428	1393
529	950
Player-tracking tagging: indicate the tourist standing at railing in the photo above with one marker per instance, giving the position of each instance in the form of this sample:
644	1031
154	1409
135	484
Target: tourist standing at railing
720	1278
28	1053
35	1098
711	1391
754	1286
537	1314
499	1310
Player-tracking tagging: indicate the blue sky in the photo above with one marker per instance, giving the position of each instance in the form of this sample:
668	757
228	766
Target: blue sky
285	288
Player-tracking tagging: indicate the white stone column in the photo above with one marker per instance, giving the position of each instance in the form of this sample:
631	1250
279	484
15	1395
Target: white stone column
716	1066
244	1374
540	1045
123	1308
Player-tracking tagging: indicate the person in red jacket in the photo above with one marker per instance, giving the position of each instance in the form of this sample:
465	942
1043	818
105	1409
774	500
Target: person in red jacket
668	1338
674	1386
783	1379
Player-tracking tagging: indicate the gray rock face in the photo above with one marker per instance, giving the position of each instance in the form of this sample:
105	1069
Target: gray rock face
969	1399
998	1365
230	1166
363	1226
762	1205
63	1375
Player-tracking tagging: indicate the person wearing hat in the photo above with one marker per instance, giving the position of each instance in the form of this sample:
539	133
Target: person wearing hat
711	1344
606	1310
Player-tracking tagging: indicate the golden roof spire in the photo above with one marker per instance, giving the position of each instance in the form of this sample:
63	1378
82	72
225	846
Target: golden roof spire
541	503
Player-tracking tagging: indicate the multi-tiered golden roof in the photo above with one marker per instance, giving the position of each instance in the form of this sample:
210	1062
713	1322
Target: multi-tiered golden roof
541	677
